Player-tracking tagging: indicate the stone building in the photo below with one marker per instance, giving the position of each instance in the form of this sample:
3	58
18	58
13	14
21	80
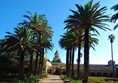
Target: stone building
104	70
56	63
56	60
56	57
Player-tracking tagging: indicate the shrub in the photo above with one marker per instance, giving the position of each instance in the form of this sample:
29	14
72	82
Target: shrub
30	79
45	74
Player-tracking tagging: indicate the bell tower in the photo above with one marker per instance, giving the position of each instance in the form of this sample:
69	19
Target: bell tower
56	57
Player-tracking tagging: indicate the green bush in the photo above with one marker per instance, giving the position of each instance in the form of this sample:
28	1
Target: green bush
45	74
90	80
64	77
31	79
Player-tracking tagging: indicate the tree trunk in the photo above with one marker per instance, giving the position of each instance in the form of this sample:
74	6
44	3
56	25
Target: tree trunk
42	59
21	69
31	60
70	61
86	55
36	65
39	71
67	62
73	50
78	61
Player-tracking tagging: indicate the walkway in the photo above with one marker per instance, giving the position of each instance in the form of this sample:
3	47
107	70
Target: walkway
52	79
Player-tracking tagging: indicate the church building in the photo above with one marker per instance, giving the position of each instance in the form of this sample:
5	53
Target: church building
56	60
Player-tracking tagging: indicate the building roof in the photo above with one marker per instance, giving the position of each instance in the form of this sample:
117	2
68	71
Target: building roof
94	67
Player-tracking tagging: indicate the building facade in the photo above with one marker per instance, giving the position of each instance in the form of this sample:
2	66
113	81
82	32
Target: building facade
100	70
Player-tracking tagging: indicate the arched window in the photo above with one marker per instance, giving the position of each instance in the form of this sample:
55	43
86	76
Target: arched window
99	74
105	74
93	74
111	74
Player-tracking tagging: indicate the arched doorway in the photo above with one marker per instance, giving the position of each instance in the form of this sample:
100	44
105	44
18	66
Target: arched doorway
111	74
105	74
93	74
99	74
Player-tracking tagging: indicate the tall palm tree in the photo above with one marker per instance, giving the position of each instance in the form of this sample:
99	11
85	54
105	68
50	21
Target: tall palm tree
86	17
45	39
45	44
112	37
73	45
80	42
18	44
64	42
77	43
115	16
69	42
39	24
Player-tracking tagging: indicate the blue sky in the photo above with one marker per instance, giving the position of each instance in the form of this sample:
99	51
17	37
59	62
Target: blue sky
56	11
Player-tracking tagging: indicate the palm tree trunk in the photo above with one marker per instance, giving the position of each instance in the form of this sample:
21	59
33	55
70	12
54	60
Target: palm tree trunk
72	74
78	61
40	63
31	60
36	65
67	62
21	69
42	59
70	61
86	55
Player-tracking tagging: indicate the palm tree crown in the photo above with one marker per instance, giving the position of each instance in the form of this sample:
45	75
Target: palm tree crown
20	41
111	37
115	16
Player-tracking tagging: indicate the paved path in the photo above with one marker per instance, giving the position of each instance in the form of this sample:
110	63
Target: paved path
52	79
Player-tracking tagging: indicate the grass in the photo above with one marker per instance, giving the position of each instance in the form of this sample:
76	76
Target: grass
91	80
99	80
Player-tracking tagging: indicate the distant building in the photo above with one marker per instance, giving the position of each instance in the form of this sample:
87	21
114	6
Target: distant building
104	70
56	57
56	60
48	65
55	64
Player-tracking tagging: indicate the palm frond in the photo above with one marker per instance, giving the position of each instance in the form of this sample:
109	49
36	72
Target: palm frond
115	7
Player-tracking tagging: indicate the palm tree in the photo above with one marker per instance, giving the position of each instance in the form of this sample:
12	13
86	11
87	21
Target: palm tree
73	45
80	41
18	44
112	37
45	40
77	43
45	44
68	42
86	17
38	24
64	43
115	16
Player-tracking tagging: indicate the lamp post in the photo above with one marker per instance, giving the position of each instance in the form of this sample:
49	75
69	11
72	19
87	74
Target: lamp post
112	37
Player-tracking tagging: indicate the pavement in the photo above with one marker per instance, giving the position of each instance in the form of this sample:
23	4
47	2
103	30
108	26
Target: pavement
51	79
